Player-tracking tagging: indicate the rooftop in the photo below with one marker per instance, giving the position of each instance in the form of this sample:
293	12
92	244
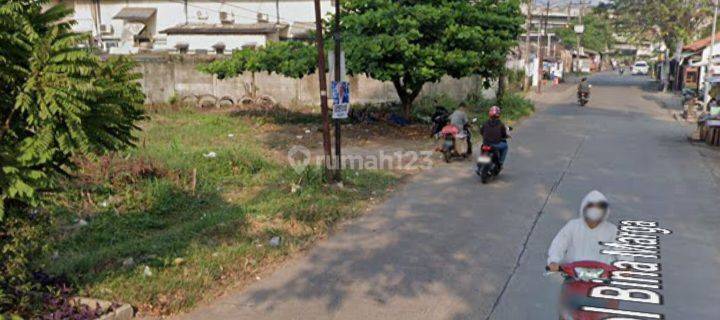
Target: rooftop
701	44
135	14
204	28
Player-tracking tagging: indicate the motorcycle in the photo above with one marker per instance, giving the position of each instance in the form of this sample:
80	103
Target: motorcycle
579	278
583	97
692	104
450	135
488	163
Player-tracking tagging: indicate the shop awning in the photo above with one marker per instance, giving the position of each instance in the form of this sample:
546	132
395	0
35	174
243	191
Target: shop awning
713	79
135	14
686	54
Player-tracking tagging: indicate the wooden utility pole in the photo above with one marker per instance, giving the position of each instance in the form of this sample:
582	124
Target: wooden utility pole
540	49
185	10
579	35
323	91
338	78
528	26
277	11
711	60
545	31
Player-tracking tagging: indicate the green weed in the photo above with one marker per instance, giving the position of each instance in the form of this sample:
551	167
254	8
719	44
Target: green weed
144	209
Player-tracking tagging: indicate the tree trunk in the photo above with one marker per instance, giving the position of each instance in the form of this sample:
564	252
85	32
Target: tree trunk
500	93
407	108
678	56
407	97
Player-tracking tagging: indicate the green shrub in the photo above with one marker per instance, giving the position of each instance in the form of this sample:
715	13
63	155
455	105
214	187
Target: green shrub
59	101
425	106
515	79
173	99
21	240
515	106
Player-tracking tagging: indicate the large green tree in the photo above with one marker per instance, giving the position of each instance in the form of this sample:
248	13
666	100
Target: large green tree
598	34
57	100
291	59
675	22
413	42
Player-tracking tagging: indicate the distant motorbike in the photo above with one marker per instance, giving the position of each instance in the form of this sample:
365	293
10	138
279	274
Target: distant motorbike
583	98
579	278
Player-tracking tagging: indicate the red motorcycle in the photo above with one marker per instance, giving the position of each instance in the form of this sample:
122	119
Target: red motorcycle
580	277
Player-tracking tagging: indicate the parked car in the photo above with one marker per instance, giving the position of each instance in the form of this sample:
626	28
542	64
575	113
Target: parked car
640	68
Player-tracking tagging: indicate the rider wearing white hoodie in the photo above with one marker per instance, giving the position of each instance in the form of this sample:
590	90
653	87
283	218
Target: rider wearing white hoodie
579	239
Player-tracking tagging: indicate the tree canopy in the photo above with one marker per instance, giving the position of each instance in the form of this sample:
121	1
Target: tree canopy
673	21
410	43
57	100
291	59
598	35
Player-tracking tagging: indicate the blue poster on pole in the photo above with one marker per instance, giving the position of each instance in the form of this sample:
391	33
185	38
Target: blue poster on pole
341	99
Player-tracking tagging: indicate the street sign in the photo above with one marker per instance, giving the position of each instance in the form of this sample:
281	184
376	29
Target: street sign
579	28
341	99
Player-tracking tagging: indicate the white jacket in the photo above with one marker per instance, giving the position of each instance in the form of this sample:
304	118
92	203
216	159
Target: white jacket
577	242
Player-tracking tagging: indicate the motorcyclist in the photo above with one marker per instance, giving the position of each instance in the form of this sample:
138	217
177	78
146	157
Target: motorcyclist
584	87
494	133
459	119
439	119
579	239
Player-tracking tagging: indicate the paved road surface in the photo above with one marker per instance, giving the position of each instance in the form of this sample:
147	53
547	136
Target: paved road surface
446	247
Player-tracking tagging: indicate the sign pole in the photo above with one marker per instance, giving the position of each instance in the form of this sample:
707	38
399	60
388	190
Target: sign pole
711	59
539	55
338	79
323	90
528	26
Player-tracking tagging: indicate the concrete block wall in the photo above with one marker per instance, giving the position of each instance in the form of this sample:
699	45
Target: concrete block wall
167	75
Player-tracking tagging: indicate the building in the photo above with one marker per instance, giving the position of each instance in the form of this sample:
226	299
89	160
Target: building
557	17
554	52
697	66
123	26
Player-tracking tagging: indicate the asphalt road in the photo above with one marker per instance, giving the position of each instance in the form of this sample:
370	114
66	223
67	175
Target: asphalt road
447	247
